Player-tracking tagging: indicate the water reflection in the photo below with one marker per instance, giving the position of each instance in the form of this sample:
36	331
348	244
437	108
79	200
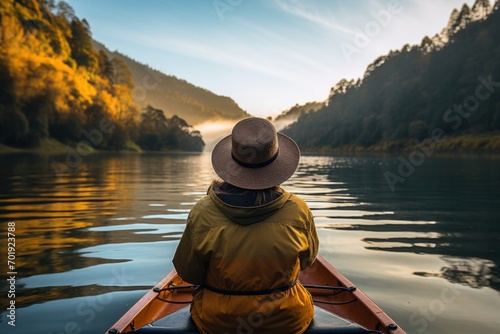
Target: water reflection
105	234
440	210
475	273
60	218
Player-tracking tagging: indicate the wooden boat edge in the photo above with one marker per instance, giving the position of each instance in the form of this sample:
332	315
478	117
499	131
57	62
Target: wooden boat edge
124	321
363	298
123	324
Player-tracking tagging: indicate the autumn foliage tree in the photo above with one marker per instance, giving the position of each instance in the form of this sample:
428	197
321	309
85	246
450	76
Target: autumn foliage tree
53	84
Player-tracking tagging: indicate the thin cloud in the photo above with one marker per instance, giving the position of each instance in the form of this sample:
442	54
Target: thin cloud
287	50
299	10
215	54
283	51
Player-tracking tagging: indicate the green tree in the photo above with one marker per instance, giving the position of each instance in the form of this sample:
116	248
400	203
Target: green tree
14	127
496	118
82	50
105	66
418	130
121	74
152	129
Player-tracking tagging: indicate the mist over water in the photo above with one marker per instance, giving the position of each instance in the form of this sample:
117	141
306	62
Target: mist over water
281	124
212	132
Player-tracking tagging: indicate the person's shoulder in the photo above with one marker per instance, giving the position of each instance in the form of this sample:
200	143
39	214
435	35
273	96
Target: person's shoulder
205	200
297	211
203	208
298	204
201	205
297	200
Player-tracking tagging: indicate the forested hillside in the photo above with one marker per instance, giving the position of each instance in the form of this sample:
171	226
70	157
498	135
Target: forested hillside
54	85
297	110
176	96
448	85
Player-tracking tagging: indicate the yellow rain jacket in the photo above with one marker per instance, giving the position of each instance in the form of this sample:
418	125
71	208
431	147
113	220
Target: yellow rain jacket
242	249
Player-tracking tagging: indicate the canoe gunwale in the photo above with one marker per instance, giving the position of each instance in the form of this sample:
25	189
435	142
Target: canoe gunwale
389	325
157	302
123	324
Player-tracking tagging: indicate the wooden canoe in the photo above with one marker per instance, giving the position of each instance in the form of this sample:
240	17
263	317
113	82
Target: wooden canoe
340	307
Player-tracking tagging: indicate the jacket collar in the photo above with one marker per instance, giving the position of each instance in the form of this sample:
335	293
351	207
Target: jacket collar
245	215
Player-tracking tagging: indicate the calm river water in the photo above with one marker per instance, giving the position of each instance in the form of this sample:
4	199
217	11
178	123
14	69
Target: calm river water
89	243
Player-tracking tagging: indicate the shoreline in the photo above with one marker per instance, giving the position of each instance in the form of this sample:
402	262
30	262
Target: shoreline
54	147
477	145
452	146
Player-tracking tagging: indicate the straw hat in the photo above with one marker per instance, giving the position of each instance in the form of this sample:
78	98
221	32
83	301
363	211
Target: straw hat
254	156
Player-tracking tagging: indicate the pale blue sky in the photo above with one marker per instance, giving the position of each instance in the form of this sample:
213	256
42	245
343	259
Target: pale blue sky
265	54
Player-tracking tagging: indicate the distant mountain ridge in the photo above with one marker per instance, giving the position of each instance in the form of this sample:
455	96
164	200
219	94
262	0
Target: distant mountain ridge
176	96
450	83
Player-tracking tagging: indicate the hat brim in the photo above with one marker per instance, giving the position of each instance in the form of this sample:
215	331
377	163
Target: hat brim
277	172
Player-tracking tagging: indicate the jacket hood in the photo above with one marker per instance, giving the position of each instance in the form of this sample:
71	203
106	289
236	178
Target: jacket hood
244	215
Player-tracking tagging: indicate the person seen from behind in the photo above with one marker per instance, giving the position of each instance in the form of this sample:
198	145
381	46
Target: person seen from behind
247	240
